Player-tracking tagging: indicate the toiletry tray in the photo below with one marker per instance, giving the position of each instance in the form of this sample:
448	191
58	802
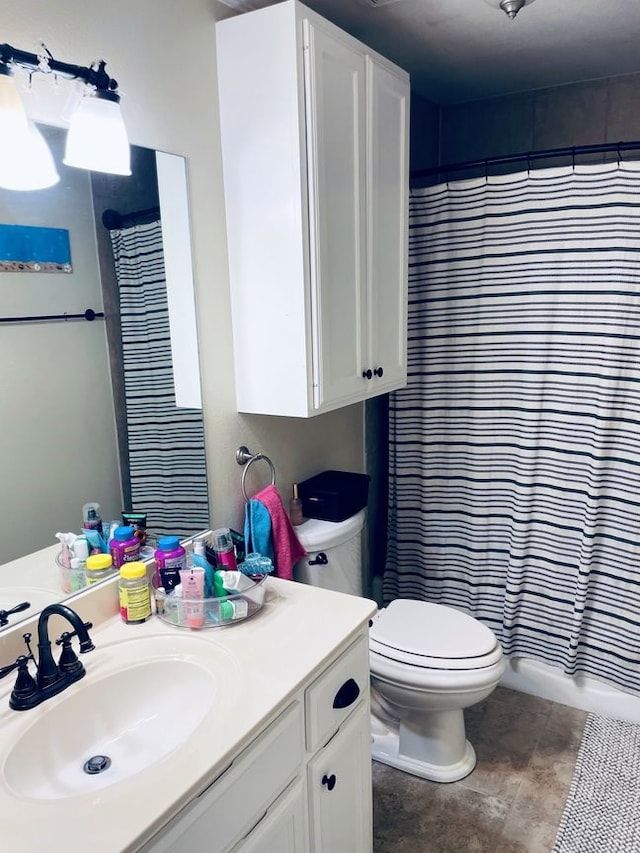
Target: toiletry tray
210	612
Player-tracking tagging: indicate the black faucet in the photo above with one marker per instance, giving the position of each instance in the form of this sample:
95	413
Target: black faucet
51	677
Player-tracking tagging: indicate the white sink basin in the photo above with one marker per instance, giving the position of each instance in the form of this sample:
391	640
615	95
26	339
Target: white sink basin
135	714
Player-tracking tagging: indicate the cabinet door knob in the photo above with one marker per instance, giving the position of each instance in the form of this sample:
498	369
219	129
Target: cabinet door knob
347	694
329	781
378	371
367	374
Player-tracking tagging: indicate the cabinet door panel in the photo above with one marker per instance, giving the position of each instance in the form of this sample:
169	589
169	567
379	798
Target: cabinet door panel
339	784
335	105
387	224
283	829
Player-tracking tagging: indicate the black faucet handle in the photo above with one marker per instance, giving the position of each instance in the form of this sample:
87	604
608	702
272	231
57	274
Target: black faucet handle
25	686
68	659
5	670
4	614
64	640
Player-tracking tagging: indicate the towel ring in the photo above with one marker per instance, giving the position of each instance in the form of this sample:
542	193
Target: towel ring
246	458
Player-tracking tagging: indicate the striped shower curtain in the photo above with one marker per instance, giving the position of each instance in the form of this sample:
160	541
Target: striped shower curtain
166	443
515	449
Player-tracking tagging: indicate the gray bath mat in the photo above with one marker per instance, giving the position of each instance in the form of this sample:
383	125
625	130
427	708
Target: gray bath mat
602	814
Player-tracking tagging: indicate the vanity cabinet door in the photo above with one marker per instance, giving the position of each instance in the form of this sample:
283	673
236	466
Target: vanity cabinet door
283	829
240	797
339	789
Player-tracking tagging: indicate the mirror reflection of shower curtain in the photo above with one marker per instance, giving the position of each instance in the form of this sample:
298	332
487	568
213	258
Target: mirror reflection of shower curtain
514	488
166	444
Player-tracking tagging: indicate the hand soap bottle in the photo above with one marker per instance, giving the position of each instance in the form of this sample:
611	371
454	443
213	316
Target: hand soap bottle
295	508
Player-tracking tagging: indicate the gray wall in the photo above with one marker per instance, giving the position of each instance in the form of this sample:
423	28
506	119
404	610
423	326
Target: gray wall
578	114
57	432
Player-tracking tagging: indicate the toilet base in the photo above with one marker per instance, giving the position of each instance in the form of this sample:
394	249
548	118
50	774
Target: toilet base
385	749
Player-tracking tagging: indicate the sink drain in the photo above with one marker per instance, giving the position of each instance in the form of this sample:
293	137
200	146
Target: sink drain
97	764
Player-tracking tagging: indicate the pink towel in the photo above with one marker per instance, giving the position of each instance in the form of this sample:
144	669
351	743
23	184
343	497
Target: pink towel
286	546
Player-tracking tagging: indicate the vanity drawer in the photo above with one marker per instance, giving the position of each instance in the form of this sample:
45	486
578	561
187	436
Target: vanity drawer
238	798
334	695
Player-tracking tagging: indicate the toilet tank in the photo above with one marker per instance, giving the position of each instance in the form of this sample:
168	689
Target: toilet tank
334	554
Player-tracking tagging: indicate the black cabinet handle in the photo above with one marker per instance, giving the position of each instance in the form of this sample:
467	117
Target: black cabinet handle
378	371
347	694
367	374
329	781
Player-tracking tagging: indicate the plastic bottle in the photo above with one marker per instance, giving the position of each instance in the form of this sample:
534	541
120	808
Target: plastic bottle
134	593
76	574
199	546
223	547
295	508
170	557
92	517
124	547
98	567
232	610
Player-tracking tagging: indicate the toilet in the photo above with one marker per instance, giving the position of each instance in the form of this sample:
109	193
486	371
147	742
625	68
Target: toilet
428	661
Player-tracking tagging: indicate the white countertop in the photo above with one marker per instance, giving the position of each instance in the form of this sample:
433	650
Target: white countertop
276	651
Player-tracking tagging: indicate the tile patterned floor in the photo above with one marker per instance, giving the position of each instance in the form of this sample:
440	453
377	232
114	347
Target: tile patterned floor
513	800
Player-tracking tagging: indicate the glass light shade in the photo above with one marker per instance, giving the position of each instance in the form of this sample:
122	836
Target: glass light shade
25	160
97	138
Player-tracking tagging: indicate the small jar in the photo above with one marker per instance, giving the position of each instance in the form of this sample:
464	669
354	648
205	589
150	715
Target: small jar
98	567
124	547
134	593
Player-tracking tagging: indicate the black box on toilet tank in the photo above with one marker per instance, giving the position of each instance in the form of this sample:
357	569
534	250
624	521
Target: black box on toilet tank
334	495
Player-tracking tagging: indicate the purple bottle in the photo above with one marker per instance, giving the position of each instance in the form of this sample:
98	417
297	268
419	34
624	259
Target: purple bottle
124	547
170	557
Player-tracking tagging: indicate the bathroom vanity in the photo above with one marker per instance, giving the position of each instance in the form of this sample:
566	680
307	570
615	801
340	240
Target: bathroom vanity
257	737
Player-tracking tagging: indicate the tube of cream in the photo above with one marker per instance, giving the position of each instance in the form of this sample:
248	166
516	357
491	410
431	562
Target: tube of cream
192	582
202	563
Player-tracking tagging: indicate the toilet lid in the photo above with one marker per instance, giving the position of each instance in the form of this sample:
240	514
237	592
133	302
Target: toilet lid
434	631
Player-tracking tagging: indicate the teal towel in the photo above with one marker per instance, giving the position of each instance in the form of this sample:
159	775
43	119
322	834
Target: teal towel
257	529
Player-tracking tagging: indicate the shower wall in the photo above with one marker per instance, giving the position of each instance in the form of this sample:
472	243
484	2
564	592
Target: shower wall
605	110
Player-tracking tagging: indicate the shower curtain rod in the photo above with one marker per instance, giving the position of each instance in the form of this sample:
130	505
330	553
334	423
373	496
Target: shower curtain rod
529	157
112	220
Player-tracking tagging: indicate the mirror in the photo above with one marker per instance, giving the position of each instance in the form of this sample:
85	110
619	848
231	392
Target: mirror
105	410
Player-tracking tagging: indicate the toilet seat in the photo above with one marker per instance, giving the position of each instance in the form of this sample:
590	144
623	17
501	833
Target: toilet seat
432	636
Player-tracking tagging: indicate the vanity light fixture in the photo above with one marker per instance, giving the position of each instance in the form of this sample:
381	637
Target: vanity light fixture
96	138
25	160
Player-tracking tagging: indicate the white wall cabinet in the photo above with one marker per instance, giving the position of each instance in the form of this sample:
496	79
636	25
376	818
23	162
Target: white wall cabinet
315	156
303	785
